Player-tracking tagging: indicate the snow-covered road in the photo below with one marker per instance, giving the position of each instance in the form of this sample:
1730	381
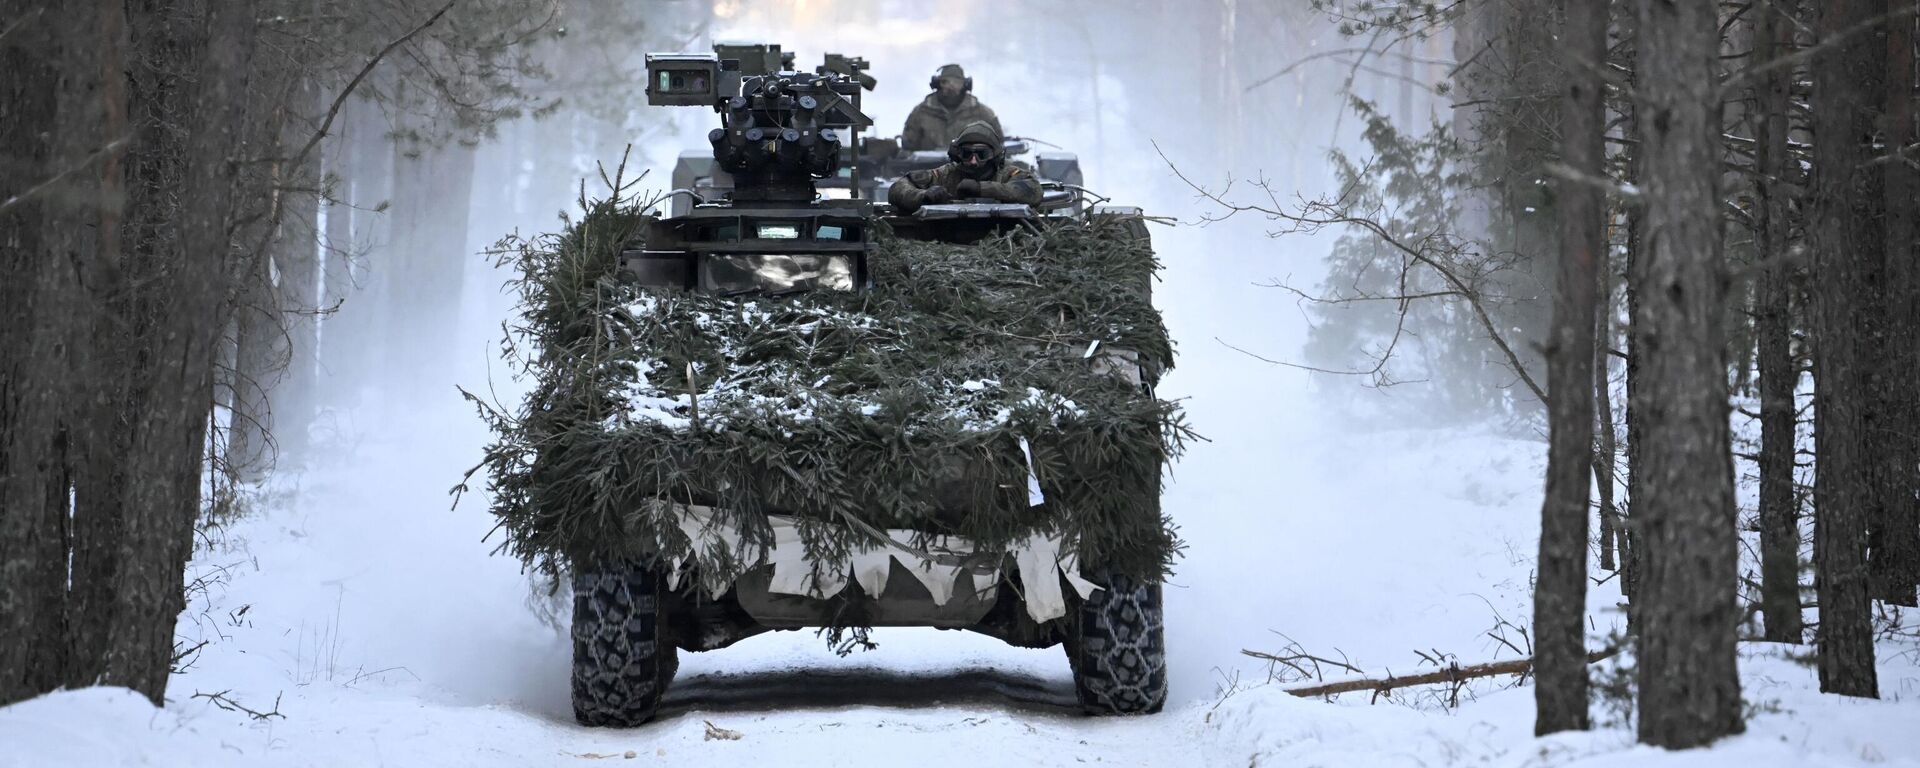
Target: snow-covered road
377	627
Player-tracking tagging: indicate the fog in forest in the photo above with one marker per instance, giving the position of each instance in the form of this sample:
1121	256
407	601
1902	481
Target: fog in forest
352	411
1139	89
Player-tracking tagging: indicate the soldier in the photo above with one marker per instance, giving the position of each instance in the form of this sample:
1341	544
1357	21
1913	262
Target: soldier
952	106
978	169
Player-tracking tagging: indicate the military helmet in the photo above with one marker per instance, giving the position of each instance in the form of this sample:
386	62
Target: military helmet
954	71
976	132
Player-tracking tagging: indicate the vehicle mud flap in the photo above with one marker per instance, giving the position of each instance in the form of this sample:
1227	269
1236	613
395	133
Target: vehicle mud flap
1117	649
623	657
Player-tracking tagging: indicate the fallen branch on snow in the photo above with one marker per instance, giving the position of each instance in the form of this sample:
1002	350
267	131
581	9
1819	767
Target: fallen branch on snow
1451	674
222	701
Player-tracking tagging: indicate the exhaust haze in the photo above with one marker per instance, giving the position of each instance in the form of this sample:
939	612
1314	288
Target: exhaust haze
1284	511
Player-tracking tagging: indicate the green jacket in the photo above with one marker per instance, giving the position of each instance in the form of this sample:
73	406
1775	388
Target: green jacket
933	126
1010	184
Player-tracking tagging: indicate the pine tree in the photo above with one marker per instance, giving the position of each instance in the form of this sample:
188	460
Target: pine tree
1894	535
1689	689
1848	244
1560	608
154	154
33	372
1773	321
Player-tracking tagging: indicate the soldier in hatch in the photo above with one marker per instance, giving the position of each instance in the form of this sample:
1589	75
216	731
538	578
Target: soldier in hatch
978	169
952	106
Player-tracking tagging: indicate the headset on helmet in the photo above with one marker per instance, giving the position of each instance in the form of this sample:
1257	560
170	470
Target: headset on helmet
966	81
953	147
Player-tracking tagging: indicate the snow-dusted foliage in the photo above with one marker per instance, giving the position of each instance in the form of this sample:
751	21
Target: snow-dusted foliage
969	385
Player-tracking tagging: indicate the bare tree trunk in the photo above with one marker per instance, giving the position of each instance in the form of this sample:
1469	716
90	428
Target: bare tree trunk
163	41
253	345
1895	546
94	113
1689	689
1560	590
276	333
1630	530
426	268
360	261
171	379
33	300
336	253
1608	447
257	366
1779	512
1606	453
1847	244
1533	85
296	255
1510	84
93	529
1227	70
267	324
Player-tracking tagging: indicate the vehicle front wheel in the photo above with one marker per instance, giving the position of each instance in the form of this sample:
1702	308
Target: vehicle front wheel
622	659
1117	649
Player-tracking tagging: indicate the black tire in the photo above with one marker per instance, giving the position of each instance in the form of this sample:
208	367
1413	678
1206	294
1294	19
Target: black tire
1118	651
622	658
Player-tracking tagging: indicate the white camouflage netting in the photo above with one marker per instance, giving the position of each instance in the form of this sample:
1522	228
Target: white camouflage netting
794	573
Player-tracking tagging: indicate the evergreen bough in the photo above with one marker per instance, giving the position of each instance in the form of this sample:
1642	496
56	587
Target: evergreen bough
904	406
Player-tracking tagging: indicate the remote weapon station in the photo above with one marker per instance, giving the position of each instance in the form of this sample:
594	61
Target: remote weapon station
782	132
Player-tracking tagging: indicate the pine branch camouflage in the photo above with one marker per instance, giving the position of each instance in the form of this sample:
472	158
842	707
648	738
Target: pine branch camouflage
901	407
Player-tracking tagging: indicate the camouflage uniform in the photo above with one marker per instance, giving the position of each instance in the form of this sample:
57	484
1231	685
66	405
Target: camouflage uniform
934	125
1009	184
996	179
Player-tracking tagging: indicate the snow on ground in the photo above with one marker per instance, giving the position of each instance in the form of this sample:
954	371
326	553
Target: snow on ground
375	622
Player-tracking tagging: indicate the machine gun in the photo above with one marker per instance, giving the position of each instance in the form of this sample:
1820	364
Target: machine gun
782	129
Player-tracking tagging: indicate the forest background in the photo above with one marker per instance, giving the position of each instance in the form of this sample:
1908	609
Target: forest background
223	221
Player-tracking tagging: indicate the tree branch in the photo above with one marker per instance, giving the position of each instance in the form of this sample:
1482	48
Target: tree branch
333	111
1452	673
1809	52
35	190
1333	214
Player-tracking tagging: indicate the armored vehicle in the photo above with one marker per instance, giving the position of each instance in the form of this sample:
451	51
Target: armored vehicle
842	418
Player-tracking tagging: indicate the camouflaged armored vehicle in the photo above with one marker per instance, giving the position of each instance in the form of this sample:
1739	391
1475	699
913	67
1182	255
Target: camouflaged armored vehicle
798	410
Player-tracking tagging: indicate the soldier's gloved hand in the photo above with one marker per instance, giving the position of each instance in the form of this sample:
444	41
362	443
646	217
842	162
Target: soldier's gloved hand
967	188
936	195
